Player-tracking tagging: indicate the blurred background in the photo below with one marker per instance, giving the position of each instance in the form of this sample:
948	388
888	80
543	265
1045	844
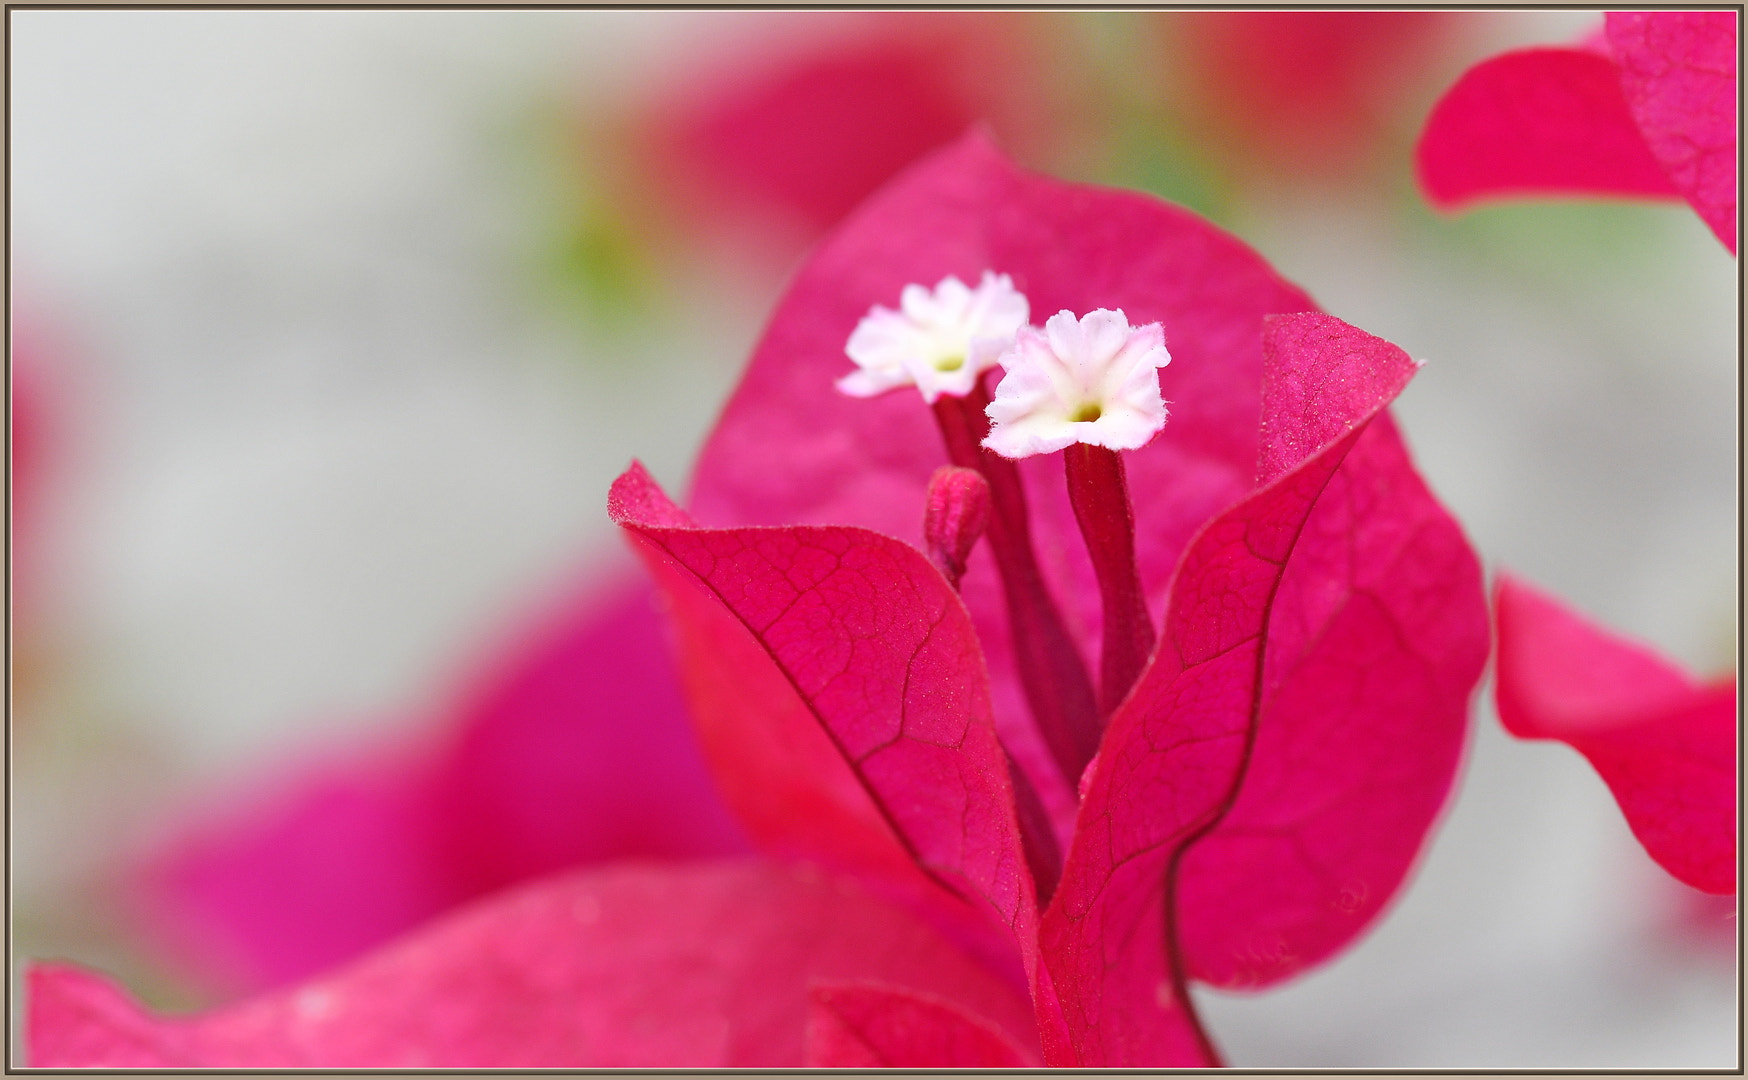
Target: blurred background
330	329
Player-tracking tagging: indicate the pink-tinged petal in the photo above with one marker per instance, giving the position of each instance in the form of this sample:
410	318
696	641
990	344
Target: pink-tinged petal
1664	743
874	646
1173	760
1376	639
1536	122
1678	69
790	449
704	965
868	1026
572	747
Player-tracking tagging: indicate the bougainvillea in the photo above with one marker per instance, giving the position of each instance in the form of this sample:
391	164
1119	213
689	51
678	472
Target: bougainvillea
1646	109
1016	863
1664	742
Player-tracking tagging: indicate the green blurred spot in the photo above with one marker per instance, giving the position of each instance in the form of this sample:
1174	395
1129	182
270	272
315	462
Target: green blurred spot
597	270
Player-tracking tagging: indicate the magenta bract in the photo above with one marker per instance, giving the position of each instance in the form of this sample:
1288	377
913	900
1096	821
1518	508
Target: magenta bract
1663	742
1653	115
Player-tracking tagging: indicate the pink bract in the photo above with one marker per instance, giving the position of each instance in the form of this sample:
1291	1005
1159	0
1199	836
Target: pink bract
1650	112
1663	742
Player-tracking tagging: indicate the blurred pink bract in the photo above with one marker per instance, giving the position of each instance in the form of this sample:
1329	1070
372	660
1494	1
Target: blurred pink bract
806	136
572	748
1649	113
1307	89
1663	742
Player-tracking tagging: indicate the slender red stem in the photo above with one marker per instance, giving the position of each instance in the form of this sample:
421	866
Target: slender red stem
1052	673
1100	496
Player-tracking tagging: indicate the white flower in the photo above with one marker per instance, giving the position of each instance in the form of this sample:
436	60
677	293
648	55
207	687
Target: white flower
1092	380
938	341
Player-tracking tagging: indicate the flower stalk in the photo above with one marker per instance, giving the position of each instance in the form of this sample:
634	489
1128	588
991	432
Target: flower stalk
1099	494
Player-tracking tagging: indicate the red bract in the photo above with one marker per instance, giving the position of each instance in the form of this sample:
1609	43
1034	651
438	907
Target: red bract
1663	742
1257	798
572	748
1652	114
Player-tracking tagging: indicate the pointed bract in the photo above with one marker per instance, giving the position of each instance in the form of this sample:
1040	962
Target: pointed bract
875	644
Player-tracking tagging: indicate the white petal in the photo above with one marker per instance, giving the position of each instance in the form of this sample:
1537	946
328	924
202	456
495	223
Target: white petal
950	325
1097	365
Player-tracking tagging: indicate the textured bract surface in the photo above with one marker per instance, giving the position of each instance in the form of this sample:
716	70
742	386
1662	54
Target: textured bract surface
1664	742
1376	638
704	965
1678	69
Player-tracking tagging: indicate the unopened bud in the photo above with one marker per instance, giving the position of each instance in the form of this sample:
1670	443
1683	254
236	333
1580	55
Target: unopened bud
955	514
